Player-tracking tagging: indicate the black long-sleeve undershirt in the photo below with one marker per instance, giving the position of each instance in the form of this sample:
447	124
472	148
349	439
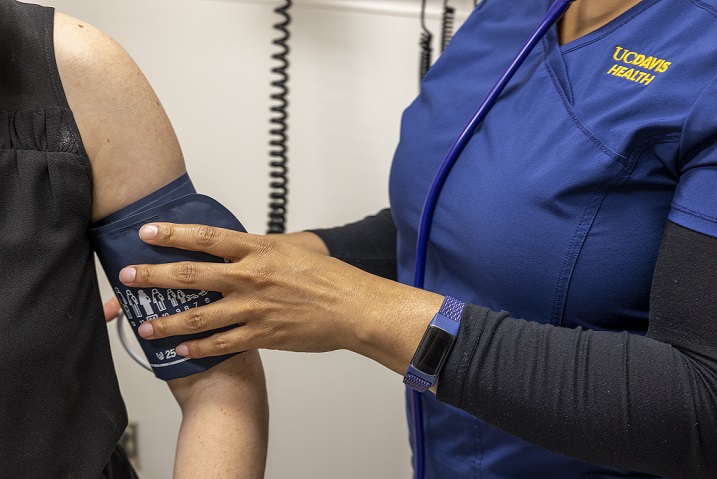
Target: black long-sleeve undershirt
644	403
369	244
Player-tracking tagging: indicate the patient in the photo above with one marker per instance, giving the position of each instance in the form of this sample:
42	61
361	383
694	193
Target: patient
83	135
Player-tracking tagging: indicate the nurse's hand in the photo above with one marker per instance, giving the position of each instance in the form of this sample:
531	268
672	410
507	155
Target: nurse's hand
111	309
283	296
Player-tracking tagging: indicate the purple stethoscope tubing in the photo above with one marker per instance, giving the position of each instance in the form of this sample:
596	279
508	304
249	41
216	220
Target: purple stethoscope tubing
554	13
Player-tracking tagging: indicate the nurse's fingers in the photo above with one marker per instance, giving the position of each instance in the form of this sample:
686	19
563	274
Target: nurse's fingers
195	320
183	275
216	241
233	341
111	309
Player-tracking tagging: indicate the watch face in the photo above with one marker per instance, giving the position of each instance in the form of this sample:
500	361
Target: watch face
433	350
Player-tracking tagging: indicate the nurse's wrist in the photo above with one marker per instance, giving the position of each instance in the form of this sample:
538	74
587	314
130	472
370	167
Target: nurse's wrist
392	324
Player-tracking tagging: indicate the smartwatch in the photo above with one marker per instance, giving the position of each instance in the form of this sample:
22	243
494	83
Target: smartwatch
435	346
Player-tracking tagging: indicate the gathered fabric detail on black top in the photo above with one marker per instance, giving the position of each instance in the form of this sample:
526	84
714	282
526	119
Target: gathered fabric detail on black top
40	129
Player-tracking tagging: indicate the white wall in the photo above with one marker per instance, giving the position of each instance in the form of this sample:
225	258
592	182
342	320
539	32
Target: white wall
354	69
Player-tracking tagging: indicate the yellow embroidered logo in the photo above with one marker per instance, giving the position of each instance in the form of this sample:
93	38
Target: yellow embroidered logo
637	67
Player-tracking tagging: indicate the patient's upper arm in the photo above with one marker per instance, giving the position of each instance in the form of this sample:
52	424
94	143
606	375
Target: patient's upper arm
131	144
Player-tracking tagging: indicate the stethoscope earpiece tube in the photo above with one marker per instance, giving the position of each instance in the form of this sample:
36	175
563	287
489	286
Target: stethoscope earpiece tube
556	10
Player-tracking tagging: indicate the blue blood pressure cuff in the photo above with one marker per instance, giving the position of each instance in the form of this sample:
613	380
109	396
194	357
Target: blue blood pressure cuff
117	244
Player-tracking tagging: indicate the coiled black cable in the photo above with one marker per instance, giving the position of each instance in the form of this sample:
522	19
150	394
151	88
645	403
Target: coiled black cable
278	152
426	51
449	15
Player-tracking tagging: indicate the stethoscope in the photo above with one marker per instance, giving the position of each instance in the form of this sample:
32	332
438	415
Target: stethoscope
554	13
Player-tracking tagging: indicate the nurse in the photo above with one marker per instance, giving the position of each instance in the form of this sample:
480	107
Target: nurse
573	246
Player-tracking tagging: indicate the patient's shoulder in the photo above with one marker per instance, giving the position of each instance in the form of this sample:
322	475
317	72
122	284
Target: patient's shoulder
122	123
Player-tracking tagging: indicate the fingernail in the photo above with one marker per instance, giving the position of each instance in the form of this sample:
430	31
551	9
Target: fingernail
146	330
148	232
182	350
127	275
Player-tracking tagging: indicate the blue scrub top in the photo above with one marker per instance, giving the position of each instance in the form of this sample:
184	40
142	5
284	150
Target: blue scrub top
555	210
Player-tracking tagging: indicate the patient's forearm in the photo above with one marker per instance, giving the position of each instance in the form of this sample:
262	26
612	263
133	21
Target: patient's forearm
225	419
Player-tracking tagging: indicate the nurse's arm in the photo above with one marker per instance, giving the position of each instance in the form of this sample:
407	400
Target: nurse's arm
133	151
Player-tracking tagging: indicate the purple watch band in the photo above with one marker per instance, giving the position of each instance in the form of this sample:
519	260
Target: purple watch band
435	346
414	382
452	308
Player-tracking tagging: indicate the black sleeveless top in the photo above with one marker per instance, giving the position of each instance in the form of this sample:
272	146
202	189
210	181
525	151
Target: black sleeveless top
61	413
